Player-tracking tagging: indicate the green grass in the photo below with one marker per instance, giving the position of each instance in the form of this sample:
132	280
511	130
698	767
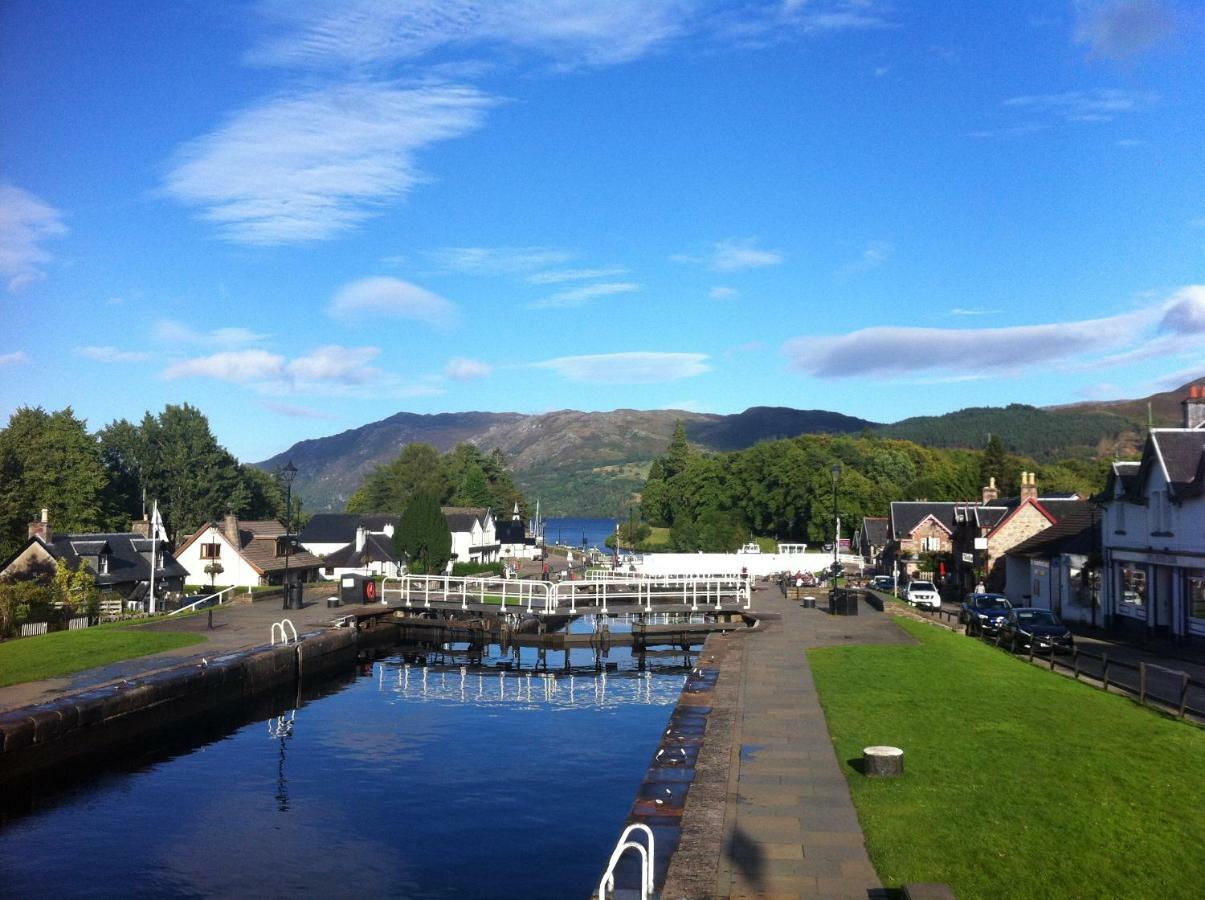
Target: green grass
1018	782
64	652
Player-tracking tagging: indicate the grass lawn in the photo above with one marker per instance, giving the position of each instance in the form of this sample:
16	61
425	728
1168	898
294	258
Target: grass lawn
1018	782
63	652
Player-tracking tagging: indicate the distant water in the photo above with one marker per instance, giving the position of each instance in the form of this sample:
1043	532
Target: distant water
570	531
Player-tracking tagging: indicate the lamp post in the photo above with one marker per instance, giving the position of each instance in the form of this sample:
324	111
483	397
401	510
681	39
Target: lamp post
287	474
836	470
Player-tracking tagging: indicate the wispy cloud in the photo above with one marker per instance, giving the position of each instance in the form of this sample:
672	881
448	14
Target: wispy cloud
26	223
733	255
1130	142
15	358
111	355
1009	131
580	296
1117	29
361	34
392	298
1091	343
1099	105
498	260
628	368
972	311
310	165
240	366
723	292
293	411
755	24
874	255
559	276
460	368
170	332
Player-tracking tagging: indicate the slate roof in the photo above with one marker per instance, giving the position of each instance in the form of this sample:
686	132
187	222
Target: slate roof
1076	532
126	562
1182	453
907	514
510	532
875	529
257	545
378	547
461	518
340	528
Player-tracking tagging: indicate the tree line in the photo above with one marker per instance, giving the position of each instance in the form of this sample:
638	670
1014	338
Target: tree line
785	489
105	480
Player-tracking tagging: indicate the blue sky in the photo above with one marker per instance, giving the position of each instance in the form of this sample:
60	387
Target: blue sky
302	217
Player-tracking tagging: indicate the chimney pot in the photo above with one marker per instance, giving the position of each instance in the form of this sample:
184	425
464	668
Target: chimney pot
361	537
1194	407
41	528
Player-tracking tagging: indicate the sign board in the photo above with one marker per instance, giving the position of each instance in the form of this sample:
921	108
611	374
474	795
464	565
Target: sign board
980	543
968	557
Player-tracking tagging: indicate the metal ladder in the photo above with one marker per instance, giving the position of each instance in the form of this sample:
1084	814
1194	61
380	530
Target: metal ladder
284	635
646	862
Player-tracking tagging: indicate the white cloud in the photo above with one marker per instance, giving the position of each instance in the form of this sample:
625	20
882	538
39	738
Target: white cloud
294	411
580	296
1194	373
240	366
367	33
732	255
1117	29
460	368
1075	345
498	260
1099	105
874	255
392	298
559	276
972	311
16	358
26	222
723	292
310	165
1184	312
111	355
1006	132
628	368
170	332
756	24
335	365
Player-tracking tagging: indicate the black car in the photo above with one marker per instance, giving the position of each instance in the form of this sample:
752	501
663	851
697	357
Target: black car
1040	628
882	583
984	613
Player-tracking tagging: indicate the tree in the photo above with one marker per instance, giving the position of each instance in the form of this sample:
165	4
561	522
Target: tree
994	463
417	469
48	460
423	537
75	588
677	455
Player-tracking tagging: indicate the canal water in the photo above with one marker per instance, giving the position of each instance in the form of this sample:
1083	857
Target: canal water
571	530
404	780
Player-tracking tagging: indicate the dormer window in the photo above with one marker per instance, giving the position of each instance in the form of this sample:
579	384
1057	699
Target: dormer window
102	564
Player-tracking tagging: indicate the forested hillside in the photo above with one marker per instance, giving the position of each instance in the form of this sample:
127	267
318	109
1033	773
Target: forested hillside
784	489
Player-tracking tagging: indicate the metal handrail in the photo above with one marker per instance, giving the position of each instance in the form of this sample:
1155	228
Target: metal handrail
607	882
195	603
284	635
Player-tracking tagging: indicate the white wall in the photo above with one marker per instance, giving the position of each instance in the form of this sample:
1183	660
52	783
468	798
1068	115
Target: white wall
757	564
235	570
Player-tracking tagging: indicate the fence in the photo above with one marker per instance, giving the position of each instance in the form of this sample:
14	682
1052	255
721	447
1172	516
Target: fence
1162	688
33	629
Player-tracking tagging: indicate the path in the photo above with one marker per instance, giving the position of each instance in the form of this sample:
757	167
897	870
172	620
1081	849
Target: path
789	825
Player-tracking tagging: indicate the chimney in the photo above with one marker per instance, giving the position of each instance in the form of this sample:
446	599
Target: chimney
141	527
42	528
990	492
1029	486
361	537
1194	407
230	529
514	516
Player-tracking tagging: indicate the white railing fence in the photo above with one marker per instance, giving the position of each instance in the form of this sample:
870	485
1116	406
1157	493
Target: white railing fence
221	595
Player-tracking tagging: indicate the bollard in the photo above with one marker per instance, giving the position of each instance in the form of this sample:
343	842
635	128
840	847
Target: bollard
210	625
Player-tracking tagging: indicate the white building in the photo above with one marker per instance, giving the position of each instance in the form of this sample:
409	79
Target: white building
1153	536
244	554
348	542
1055	568
513	540
474	534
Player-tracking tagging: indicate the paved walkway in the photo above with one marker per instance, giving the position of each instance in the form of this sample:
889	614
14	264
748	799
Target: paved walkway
790	828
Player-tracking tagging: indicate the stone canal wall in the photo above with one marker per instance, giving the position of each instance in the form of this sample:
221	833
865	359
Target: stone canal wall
39	737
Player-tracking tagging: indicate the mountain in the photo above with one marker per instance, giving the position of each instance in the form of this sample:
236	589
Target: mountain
577	463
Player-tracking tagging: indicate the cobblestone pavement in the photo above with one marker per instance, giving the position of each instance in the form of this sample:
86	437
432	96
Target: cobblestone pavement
789	825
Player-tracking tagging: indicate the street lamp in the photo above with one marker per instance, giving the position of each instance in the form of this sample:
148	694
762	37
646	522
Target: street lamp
836	470
287	474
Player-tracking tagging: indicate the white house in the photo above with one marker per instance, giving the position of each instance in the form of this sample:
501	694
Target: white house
1054	569
348	542
1153	536
244	554
474	535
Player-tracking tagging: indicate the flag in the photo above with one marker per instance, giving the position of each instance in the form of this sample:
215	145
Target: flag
158	532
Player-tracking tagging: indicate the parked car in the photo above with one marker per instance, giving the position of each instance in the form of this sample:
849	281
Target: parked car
984	613
882	583
1028	625
923	593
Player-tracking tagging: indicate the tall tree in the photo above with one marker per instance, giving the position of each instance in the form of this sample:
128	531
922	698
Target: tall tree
423	537
417	469
677	455
994	463
48	460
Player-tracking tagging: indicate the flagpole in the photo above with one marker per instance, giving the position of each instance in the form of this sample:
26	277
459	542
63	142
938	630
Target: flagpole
154	547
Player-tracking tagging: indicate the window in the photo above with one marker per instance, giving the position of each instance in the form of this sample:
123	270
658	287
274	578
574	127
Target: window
102	564
931	544
1132	581
211	551
1194	592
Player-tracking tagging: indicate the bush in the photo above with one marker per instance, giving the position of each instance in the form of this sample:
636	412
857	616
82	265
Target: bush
462	569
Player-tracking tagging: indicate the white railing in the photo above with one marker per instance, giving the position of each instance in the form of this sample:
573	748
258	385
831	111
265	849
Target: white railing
33	629
78	623
607	883
220	595
284	636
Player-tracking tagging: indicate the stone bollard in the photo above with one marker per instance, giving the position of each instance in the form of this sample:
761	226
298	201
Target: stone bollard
882	762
